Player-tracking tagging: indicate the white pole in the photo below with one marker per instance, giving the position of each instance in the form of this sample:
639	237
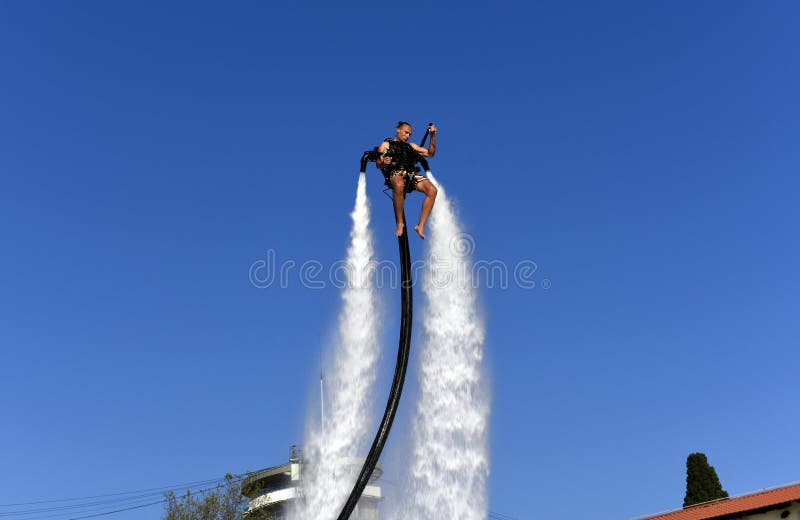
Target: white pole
321	403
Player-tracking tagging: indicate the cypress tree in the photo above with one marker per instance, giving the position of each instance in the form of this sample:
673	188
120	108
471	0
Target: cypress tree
702	483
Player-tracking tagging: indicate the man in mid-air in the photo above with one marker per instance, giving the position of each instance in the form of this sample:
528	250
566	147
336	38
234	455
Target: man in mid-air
397	163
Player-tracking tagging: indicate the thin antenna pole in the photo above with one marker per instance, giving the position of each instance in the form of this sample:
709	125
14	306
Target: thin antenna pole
321	403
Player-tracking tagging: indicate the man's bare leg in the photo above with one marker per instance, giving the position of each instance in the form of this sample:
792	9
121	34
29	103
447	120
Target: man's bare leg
430	192
399	198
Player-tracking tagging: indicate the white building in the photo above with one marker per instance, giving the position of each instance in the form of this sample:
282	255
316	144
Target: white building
272	491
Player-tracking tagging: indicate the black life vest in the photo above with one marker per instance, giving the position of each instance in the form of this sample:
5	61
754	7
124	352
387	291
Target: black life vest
403	157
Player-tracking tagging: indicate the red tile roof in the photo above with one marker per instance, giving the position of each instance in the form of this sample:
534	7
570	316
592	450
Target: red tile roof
727	506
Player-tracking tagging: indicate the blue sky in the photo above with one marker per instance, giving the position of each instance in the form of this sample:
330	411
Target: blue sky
643	154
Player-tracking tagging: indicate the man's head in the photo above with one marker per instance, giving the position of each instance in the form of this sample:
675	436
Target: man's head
403	131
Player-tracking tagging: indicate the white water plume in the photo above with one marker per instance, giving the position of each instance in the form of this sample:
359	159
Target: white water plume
330	472
449	463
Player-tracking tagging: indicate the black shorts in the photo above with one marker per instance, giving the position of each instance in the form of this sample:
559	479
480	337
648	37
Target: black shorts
412	179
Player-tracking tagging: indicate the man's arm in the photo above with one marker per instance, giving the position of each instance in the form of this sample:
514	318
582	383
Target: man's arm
382	159
430	151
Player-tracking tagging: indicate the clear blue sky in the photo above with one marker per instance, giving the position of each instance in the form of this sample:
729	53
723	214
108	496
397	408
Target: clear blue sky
643	154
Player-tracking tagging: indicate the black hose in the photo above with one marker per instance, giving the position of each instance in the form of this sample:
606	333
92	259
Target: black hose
406	304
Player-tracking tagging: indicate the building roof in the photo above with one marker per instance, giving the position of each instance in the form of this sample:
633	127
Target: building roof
767	499
265	478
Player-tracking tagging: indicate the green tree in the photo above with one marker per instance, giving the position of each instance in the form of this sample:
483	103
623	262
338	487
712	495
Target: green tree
702	483
224	502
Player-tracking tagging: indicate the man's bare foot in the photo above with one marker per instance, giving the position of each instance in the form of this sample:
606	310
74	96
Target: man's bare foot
399	231
420	231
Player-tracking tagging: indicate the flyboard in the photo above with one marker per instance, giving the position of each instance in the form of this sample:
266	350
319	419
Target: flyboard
406	309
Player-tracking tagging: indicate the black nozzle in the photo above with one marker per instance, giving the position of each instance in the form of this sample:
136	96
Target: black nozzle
424	164
369	155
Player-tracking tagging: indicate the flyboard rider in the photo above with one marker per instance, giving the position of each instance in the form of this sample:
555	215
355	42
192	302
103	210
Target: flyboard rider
397	159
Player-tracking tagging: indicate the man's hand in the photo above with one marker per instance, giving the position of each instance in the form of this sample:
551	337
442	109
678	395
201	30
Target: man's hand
383	148
431	150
